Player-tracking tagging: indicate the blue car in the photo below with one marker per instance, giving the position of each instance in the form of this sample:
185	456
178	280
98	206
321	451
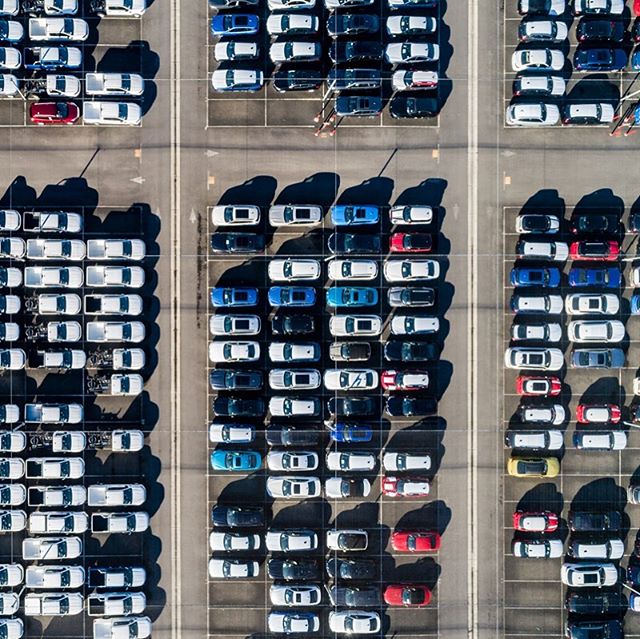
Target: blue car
235	460
352	296
351	215
635	304
232	24
603	59
234	297
292	296
546	277
604	277
350	433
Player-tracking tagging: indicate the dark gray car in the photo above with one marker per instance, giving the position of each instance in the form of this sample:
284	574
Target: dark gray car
354	597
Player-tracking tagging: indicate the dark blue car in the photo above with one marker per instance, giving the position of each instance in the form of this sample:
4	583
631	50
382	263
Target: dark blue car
292	296
604	59
225	379
234	297
352	296
232	24
547	277
604	277
351	433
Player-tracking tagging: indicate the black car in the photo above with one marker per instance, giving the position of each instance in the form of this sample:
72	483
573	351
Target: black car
411	296
595	224
582	521
350	351
292	570
406	106
228	4
635	30
399	406
600	629
633	574
612	603
362	106
296	80
237	407
634	222
224	379
352	406
534	7
349	24
357	569
349	243
411	351
291	435
237	516
292	324
354	50
355	597
237	243
600	29
343	79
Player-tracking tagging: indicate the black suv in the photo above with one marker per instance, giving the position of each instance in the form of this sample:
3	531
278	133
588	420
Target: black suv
361	569
581	521
411	351
237	407
596	603
352	406
289	435
292	570
292	325
354	597
237	243
237	516
350	351
410	407
349	243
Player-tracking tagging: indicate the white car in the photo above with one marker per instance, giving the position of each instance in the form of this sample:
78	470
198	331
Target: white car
552	8
289	23
116	249
12	441
11	575
9	88
349	622
537	304
532	114
408	79
350	379
12	359
10	277
291	540
116	495
291	5
283	487
411	270
531	250
410	25
231	434
293	407
588	113
294	379
587	575
294	352
400	462
129	627
114	84
291	270
237	79
538	549
294	51
352	270
9	413
233	542
235	215
10	304
53	277
592	304
291	460
64	441
10	220
55	467
601	331
37	548
12	628
57	523
9	7
123	8
228	50
12	247
538	331
53	604
293	623
111	113
14	31
351	461
542	30
64	332
537	59
540	85
606	7
549	359
302	595
9	332
355	325
59	304
407	52
232	569
11	468
234	352
234	325
535	439
411	214
341	487
57	496
9	604
12	494
62	86
295	214
598	549
414	325
10	58
12	520
58	29
128	359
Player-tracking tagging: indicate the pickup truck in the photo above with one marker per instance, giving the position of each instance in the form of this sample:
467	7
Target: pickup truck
118	113
9	413
115	332
119	522
66	441
113	84
58	523
71	250
54	577
53	604
117	577
127	441
55	468
68	359
112	249
116	495
119	8
53	276
124	276
53	413
59	7
52	222
58	29
122	628
124	304
57	496
116	603
11	575
52	58
37	548
62	86
64	332
59	303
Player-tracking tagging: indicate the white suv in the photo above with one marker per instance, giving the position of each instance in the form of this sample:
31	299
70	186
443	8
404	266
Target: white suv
587	331
592	304
291	270
352	269
557	251
352	325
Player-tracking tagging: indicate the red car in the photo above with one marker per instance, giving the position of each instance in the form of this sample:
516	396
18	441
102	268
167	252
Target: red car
538	386
411	243
607	251
598	413
54	112
542	522
415	541
636	7
404	380
407	595
405	486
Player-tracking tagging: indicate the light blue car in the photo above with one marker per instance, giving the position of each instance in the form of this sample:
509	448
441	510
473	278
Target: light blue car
353	215
235	460
352	296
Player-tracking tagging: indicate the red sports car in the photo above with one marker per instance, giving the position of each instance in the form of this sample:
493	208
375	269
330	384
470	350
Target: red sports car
538	386
636	7
411	243
607	251
410	596
541	522
54	112
598	413
404	380
405	486
415	541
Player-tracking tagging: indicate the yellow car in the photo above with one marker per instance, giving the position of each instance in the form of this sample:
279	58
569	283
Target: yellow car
533	467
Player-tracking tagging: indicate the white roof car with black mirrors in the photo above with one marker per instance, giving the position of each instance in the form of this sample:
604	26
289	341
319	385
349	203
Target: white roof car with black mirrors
538	548
362	622
51	548
589	113
116	249
111	113
350	461
532	114
291	5
292	460
9	332
355	325
347	540
342	487
11	575
13	247
292	540
10	220
534	439
410	25
10	304
12	494
59	304
232	569
290	270
237	79
295	214
414	214
592	304
401	462
535	7
537	59
408	79
350	379
414	325
596	549
233	542
294	352
550	359
290	487
540	85
294	378
234	352
12	441
9	88
352	269
294	406
556	251
226	50
302	595
235	215
234	325
542	30
290	23
411	270
231	433
600	331
13	520
12	359
589	575
293	623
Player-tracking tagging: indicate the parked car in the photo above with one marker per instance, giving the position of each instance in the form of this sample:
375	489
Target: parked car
532	114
